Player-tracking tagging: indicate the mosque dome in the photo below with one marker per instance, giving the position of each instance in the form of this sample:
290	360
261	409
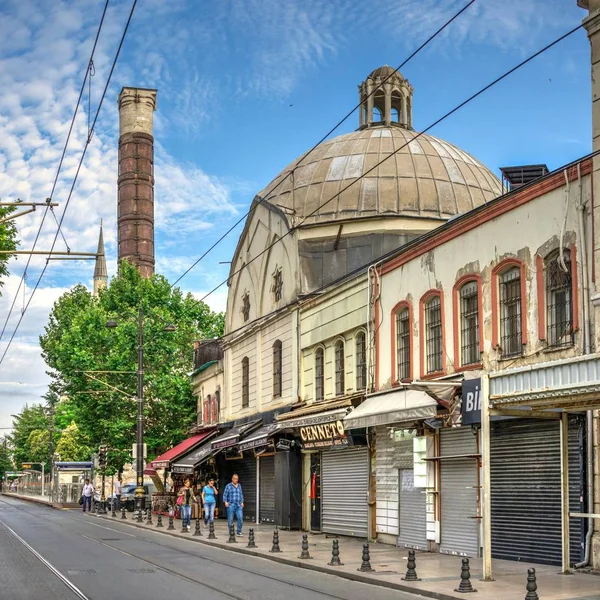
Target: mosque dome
426	177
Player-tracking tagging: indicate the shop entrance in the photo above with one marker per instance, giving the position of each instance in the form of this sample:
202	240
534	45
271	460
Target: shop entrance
315	491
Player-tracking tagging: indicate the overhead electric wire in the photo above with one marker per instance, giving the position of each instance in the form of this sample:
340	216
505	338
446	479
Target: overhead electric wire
60	164
87	143
418	135
340	122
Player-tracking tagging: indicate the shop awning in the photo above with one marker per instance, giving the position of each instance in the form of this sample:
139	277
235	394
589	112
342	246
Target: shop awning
234	435
193	459
314	419
164	460
397	406
150	470
260	437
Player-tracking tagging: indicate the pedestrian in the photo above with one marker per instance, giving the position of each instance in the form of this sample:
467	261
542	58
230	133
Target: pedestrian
86	494
209	498
118	486
186	493
233	497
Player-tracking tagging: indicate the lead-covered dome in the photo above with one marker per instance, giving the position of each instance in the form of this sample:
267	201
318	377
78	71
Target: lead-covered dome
426	178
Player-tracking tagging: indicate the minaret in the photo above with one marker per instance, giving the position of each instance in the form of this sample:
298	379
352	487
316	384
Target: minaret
135	204
100	271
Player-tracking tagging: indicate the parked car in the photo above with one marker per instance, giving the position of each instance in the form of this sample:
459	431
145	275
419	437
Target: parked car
128	495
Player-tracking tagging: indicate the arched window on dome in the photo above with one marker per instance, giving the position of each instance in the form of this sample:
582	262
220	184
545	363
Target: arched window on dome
379	107
397	112
377	115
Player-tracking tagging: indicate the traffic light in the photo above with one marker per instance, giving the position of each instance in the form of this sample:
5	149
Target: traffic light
102	457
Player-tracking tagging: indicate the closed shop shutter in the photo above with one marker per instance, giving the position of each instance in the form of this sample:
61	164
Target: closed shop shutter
526	490
459	493
246	469
267	489
386	484
413	519
344	488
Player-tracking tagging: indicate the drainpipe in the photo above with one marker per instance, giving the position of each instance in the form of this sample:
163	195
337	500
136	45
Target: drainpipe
581	207
371	360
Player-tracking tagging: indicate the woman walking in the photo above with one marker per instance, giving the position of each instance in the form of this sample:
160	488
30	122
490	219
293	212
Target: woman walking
209	498
187	496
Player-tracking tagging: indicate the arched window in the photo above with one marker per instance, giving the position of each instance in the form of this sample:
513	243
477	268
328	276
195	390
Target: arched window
377	115
216	406
277	364
403	350
361	360
559	299
433	335
245	382
509	283
319	374
470	352
340	387
396	102
206	410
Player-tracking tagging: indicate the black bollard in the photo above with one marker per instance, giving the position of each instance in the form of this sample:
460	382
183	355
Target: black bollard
465	578
305	553
211	531
232	539
140	516
366	567
251	540
531	586
124	513
171	526
159	522
197	531
411	571
335	555
275	547
114	508
149	517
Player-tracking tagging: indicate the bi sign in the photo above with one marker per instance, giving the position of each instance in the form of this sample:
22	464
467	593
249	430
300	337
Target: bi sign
471	402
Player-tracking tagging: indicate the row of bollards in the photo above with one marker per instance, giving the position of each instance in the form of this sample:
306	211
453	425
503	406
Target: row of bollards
465	585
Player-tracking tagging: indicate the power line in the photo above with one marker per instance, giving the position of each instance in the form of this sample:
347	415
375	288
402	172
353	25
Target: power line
60	164
87	143
437	122
336	126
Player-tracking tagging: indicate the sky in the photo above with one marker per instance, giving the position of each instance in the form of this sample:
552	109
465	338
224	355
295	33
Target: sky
245	87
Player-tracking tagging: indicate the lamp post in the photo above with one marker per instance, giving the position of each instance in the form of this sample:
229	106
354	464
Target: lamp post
139	460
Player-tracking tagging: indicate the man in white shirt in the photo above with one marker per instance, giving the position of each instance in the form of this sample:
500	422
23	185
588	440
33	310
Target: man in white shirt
118	485
86	494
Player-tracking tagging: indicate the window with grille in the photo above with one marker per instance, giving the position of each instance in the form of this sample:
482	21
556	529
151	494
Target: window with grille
403	344
246	306
510	312
277	285
319	374
361	361
245	382
340	387
433	335
470	352
216	406
559	301
277	363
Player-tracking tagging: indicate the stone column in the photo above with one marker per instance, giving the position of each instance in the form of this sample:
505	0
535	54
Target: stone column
369	103
387	117
361	109
135	217
592	26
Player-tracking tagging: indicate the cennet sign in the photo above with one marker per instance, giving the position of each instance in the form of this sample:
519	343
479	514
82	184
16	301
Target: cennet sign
471	402
323	436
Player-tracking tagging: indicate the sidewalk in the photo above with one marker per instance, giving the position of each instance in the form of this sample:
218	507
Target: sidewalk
46	500
439	573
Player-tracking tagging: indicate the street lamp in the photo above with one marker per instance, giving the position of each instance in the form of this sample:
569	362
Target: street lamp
139	490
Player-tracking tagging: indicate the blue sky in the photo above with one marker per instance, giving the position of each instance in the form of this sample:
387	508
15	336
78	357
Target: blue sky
244	87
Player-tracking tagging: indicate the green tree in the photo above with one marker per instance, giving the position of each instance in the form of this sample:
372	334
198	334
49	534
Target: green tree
5	462
8	240
72	445
76	342
29	428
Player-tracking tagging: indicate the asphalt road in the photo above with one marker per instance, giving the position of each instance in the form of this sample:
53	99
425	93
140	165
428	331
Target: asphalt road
101	560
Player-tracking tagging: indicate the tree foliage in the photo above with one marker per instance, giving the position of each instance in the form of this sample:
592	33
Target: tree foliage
77	342
72	445
8	240
29	428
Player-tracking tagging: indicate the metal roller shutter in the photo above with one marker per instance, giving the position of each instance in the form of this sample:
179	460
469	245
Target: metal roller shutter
246	469
267	489
525	477
344	488
413	519
458	493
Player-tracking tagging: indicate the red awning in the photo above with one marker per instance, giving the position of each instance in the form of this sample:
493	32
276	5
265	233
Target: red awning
164	460
150	470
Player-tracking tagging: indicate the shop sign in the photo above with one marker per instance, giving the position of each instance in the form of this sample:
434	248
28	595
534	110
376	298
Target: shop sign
471	402
323	436
182	469
161	464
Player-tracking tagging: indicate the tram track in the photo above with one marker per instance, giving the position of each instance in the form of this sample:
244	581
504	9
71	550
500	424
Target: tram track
173	572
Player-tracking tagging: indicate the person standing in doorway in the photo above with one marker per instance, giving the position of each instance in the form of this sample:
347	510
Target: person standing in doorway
209	499
87	493
118	486
233	497
187	498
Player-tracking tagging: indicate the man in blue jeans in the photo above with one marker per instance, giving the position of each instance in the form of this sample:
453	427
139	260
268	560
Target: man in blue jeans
233	497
